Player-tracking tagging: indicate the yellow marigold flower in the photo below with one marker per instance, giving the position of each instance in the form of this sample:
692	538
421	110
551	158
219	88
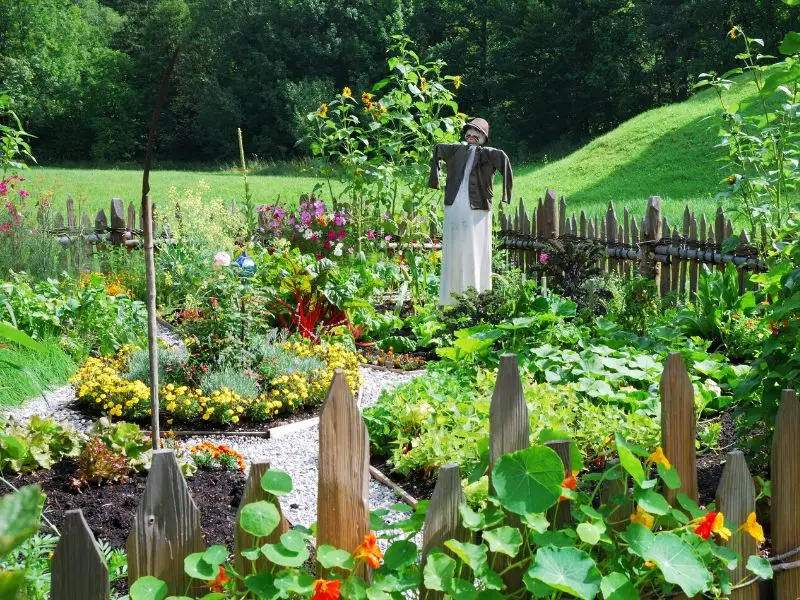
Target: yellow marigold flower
658	457
754	528
457	81
235	419
323	110
649	564
366	98
719	527
347	92
642	517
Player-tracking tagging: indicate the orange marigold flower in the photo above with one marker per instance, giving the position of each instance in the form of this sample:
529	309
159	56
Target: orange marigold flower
754	528
327	589
368	551
222	578
658	457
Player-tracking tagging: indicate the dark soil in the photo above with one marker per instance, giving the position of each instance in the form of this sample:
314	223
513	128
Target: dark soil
417	483
109	509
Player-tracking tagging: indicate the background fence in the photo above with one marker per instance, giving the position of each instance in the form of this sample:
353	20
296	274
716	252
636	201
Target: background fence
647	244
167	525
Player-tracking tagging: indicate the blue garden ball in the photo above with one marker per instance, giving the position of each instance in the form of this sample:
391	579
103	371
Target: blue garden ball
246	264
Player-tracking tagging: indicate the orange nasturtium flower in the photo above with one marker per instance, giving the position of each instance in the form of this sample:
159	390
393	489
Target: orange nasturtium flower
642	517
218	584
569	482
347	92
327	589
368	551
658	457
713	522
323	110
754	528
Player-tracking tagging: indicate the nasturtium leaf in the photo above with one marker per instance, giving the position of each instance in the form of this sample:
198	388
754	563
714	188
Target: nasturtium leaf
504	540
293	540
652	502
281	555
355	588
590	532
669	476
628	461
726	555
262	584
639	539
473	555
148	588
439	571
20	515
690	506
252	553
259	518
528	481
536	521
552	538
11	582
536	587
196	567
276	482
215	555
616	586
400	554
760	566
471	519
679	564
567	570
330	557
489	595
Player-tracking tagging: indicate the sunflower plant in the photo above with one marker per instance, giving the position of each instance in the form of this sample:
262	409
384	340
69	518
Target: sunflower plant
544	532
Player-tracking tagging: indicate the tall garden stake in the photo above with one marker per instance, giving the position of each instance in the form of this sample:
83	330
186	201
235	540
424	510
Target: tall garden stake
147	226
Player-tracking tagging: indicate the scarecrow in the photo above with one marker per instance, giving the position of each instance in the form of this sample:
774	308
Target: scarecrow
467	240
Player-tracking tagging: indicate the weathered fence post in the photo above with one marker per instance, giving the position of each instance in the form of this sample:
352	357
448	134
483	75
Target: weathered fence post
166	528
342	498
736	498
117	235
78	569
253	492
509	431
443	521
650	234
549	219
611	488
678	426
785	469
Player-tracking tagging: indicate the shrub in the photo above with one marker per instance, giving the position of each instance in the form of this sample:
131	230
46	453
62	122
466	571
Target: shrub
229	380
171	365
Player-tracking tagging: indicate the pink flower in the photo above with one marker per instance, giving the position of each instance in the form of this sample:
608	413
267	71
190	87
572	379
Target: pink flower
338	219
350	250
5	227
543	257
327	245
371	234
23	194
342	234
388	238
11	208
222	259
331	235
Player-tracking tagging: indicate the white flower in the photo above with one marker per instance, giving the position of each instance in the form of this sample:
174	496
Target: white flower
307	234
337	251
222	259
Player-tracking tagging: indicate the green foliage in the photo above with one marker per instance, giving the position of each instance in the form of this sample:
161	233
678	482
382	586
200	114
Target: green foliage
760	136
82	311
230	379
20	515
36	444
634	304
571	266
171	366
14	146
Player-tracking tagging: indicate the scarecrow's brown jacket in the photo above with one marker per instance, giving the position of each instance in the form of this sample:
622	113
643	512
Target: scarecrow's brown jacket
487	161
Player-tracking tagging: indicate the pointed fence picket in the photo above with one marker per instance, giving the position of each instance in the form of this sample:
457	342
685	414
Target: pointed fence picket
166	527
671	255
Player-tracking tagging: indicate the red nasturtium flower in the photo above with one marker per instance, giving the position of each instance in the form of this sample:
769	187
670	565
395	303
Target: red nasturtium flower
327	589
368	551
569	482
713	522
222	578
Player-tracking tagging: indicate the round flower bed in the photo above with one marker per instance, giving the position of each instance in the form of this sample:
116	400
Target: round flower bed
100	383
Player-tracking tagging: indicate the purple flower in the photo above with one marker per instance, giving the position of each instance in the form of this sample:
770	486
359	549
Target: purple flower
371	234
543	257
319	208
305	217
338	219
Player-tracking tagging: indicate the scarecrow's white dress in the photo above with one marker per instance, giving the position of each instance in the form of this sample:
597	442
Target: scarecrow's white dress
466	244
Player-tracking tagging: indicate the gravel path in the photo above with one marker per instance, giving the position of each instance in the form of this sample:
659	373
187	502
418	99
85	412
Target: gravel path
293	448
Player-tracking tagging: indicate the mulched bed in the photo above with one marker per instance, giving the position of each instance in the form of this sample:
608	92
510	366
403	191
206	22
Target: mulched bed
416	483
109	510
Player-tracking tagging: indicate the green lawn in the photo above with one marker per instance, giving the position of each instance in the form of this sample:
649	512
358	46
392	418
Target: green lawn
667	151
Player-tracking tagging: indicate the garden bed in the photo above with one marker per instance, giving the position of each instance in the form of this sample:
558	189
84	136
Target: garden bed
110	509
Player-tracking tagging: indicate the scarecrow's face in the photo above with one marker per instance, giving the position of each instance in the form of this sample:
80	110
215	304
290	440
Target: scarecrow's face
474	136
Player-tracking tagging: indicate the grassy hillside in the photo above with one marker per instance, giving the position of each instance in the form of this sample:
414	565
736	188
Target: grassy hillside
666	151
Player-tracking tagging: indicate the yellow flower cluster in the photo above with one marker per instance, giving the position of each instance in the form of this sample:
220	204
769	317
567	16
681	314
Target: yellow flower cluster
99	382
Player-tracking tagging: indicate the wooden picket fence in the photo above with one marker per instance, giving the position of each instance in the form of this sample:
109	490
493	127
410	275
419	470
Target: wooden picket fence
167	523
645	245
